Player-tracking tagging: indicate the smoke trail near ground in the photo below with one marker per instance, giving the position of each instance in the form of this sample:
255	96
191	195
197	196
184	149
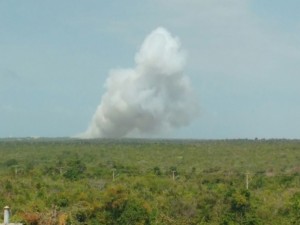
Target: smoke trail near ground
154	96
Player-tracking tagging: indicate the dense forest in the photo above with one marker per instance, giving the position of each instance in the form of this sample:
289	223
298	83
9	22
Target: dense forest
143	182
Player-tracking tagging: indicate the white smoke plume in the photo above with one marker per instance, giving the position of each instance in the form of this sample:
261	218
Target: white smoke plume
154	96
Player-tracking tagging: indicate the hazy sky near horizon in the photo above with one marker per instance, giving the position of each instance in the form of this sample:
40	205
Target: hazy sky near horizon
243	62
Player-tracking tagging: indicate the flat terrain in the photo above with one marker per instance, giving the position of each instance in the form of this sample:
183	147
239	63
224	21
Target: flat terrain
141	181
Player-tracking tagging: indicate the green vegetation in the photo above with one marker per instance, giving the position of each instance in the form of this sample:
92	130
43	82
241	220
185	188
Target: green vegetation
145	182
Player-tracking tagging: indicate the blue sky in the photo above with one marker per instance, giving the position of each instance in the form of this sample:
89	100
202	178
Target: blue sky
243	61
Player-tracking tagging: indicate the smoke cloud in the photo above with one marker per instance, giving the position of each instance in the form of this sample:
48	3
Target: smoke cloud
153	97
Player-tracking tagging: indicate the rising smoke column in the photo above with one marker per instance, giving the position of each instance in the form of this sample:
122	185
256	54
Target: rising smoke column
152	97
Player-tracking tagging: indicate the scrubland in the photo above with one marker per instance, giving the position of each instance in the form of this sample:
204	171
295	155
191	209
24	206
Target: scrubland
138	181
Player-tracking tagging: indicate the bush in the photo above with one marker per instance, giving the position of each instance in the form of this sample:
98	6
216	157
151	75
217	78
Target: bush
134	214
11	162
75	170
